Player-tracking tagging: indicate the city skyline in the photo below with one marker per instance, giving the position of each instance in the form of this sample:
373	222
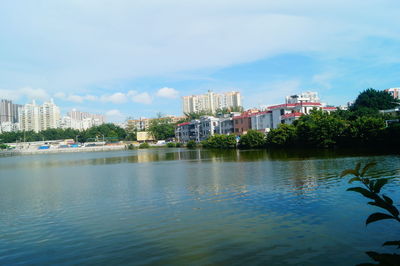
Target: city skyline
134	58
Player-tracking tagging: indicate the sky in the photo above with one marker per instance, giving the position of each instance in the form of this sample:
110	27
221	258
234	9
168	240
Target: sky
134	58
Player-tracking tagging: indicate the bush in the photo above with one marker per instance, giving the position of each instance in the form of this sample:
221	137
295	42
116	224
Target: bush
178	145
131	147
253	139
284	135
3	146
191	144
171	145
144	145
220	142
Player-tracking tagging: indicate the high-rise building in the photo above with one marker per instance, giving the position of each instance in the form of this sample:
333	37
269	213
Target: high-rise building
81	120
211	101
395	92
9	111
37	118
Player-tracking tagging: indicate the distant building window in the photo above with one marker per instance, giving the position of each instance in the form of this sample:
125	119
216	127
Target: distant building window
282	111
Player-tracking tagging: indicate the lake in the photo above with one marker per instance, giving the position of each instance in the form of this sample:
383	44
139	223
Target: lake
189	207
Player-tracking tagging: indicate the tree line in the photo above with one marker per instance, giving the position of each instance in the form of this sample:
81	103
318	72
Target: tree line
106	131
362	125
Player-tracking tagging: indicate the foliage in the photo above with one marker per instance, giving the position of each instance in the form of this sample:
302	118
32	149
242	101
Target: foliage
131	147
196	115
283	136
144	145
320	129
372	100
3	146
220	142
162	128
178	145
191	144
365	130
228	110
371	189
253	139
171	145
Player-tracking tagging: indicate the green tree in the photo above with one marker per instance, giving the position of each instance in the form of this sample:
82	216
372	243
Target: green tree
191	144
371	101
320	129
253	139
283	136
220	142
162	128
366	130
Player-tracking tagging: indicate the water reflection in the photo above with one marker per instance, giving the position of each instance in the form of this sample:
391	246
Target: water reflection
178	206
154	155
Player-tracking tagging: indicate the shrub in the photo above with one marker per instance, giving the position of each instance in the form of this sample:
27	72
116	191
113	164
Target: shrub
144	145
131	147
191	144
282	136
253	139
178	145
171	145
220	142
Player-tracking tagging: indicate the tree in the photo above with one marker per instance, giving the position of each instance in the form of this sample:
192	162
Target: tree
253	139
162	128
196	115
220	142
283	136
371	101
320	129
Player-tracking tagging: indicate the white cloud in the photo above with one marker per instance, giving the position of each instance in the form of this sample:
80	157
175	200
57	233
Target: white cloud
115	115
143	97
116	98
108	42
26	92
74	98
169	93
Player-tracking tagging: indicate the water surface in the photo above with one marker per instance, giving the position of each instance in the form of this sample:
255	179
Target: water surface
197	207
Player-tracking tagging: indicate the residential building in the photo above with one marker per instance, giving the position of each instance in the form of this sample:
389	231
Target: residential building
37	118
211	101
262	121
80	116
395	92
9	112
81	120
305	97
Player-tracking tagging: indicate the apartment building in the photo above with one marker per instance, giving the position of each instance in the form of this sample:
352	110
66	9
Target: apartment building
37	118
211	101
9	112
395	92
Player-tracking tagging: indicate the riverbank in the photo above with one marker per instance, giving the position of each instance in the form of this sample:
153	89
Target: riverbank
61	150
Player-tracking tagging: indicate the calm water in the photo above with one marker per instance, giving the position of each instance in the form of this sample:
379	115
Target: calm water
181	207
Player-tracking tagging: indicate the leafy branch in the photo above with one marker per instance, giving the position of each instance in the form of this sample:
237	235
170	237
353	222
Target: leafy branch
372	190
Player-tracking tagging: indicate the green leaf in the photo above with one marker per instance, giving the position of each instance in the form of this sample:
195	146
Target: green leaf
366	167
354	179
348	172
388	200
357	169
392	243
377	217
379	184
363	191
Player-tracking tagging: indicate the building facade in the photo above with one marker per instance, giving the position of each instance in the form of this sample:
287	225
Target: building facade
211	101
9	112
33	117
395	92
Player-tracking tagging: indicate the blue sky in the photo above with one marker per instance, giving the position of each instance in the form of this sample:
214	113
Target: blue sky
137	58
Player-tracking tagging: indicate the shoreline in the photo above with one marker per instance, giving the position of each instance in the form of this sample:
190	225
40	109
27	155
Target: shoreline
64	150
